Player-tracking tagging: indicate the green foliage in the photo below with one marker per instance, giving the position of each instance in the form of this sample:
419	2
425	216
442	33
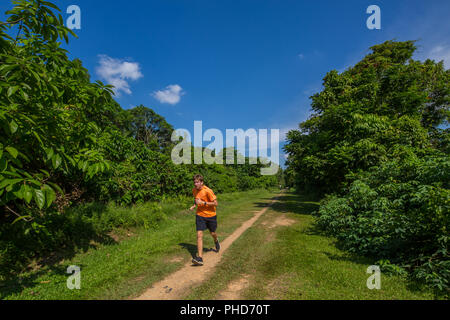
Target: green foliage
46	107
399	213
75	230
146	125
65	142
61	133
375	143
363	114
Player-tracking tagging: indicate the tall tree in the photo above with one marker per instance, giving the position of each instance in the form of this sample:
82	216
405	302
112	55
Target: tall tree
49	111
151	128
365	115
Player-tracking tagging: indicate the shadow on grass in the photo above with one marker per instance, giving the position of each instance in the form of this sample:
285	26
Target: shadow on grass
348	257
412	285
17	284
314	230
32	255
192	249
302	204
415	285
262	204
295	203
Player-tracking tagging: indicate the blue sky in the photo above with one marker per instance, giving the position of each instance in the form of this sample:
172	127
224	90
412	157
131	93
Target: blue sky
239	64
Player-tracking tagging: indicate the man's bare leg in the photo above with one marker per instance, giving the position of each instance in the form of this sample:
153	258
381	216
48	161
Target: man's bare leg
200	244
216	241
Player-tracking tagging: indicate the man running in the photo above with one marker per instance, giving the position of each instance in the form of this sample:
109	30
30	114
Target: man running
206	217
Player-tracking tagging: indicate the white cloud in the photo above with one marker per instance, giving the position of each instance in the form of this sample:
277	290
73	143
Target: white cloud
117	73
170	95
439	53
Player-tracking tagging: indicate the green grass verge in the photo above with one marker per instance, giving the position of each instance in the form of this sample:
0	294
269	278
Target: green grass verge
125	268
297	262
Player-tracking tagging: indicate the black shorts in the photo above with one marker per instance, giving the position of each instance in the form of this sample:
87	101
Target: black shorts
206	223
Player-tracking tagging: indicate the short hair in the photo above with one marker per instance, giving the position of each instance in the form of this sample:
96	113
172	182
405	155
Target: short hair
198	177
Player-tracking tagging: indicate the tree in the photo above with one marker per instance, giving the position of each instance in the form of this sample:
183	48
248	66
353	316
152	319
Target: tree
146	125
48	112
365	114
375	145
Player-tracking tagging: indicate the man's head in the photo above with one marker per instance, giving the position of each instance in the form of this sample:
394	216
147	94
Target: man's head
198	181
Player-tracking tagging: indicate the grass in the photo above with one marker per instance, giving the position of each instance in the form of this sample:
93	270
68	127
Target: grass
124	268
297	262
294	262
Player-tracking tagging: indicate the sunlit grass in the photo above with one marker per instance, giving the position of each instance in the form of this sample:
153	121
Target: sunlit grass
140	257
298	263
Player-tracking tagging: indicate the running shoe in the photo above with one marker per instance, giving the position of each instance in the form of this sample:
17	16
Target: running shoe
197	261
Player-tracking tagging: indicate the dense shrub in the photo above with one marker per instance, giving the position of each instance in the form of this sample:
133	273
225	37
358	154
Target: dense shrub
66	234
377	146
399	214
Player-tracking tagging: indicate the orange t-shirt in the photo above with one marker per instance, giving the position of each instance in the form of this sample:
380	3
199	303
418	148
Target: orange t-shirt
205	194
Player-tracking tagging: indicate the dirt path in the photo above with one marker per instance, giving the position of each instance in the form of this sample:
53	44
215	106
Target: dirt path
176	285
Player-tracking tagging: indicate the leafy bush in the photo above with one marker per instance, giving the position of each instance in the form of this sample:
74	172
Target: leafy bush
400	213
375	147
73	231
69	154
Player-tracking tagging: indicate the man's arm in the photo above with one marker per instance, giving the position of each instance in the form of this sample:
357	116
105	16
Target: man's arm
195	204
211	203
